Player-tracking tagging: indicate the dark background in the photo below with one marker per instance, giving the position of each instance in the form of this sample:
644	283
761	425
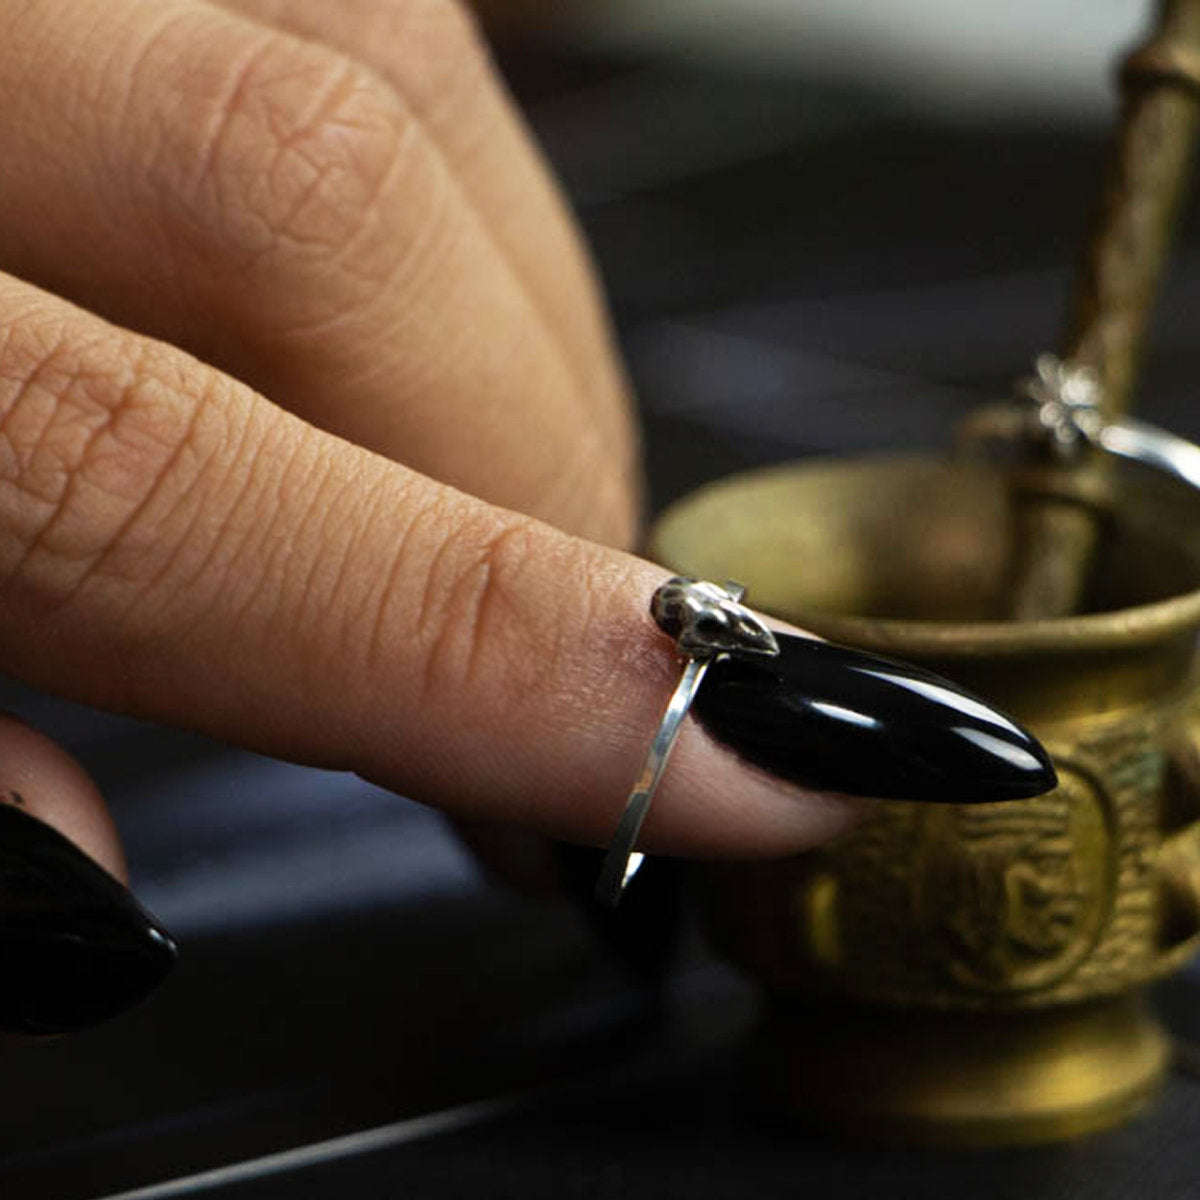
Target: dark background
797	264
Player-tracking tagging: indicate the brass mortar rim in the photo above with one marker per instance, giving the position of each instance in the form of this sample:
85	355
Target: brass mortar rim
1133	627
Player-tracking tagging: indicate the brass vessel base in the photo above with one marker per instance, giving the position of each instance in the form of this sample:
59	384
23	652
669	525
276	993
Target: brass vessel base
961	1080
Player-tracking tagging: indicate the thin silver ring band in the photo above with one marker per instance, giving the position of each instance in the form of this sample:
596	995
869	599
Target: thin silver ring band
622	861
707	623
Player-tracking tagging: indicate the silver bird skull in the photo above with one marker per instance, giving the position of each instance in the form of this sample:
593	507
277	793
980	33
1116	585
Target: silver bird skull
706	620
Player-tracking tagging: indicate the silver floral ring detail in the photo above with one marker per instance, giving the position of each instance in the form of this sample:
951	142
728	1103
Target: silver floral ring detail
1058	410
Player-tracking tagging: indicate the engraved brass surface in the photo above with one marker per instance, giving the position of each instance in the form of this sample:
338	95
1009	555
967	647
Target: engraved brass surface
1023	925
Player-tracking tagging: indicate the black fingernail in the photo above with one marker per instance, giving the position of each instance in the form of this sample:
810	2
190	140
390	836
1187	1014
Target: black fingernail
838	720
75	946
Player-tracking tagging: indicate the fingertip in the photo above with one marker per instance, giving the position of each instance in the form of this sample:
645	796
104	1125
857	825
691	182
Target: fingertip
76	948
714	805
43	780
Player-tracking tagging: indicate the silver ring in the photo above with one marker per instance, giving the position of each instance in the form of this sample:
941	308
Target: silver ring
707	622
1153	447
1057	411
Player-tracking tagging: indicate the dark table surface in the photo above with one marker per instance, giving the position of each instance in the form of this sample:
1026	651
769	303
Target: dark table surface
794	270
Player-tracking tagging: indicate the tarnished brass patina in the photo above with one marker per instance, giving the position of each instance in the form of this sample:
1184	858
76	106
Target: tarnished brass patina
971	974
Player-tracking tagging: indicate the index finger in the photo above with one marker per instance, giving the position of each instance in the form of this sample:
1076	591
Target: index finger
174	546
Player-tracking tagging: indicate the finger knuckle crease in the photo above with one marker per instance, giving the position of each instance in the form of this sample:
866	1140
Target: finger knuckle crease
86	437
480	632
294	152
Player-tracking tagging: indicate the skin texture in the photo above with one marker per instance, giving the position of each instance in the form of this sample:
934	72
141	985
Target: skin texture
311	435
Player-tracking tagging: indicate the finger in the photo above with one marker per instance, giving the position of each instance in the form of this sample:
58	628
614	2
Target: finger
173	546
41	779
522	860
432	54
278	208
75	948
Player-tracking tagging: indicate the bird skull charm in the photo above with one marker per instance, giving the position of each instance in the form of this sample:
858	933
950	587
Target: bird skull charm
706	620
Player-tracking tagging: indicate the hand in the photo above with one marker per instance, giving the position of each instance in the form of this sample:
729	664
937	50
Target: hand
307	408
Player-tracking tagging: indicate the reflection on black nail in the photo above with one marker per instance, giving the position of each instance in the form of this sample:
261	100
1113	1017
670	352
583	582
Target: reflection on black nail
75	946
838	720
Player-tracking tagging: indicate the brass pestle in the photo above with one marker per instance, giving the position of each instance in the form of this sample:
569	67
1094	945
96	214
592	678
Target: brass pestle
1113	299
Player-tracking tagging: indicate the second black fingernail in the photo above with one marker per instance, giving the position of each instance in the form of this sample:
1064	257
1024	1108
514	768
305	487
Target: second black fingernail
835	719
75	946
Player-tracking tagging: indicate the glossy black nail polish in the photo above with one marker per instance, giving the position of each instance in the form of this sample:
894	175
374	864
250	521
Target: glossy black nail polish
838	720
75	946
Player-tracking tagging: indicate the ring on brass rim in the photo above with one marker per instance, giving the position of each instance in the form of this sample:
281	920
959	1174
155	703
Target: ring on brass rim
1057	411
707	622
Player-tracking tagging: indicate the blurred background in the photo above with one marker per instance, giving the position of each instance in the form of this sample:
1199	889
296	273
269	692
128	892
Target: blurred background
825	227
830	227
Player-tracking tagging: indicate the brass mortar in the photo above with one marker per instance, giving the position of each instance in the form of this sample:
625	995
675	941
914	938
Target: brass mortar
974	974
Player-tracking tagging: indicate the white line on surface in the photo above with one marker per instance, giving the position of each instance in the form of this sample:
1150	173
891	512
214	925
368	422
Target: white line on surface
365	1141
